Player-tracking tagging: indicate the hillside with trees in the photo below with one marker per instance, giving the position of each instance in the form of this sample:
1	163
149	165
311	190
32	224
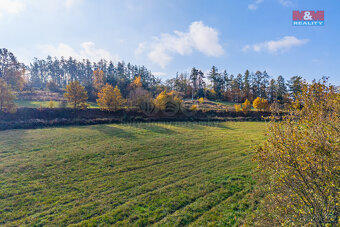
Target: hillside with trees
55	74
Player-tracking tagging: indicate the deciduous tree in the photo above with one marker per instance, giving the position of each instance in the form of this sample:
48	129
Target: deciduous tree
260	104
76	94
137	82
6	98
110	98
246	106
98	80
11	70
237	107
168	100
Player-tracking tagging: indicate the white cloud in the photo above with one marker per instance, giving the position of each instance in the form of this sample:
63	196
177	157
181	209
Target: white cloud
87	51
72	3
278	45
286	3
17	6
255	5
199	37
11	6
141	48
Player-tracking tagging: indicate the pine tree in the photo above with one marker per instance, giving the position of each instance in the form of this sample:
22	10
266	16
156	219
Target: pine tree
264	84
295	86
216	80
272	91
193	79
246	86
281	88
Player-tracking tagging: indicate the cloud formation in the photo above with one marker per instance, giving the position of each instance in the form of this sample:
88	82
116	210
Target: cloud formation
275	46
286	3
255	5
88	51
199	37
11	6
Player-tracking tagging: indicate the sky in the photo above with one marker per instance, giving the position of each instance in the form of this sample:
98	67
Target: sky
174	36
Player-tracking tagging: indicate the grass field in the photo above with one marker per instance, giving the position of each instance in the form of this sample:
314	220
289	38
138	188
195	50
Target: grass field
226	103
44	104
138	174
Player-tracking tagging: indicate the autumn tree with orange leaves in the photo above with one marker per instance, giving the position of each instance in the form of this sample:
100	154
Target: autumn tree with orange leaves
76	94
110	98
98	80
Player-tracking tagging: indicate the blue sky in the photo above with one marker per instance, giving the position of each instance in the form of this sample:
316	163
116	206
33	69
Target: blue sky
173	36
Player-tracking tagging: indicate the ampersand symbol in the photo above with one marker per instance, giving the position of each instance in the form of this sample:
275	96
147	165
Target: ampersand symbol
307	16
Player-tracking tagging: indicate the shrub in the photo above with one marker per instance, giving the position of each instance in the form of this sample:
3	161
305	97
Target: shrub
246	106
237	107
51	104
193	108
84	105
275	107
260	104
201	100
299	163
6	98
168	100
138	95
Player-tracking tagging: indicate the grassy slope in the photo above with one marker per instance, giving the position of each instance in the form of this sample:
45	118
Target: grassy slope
226	103
137	174
44	104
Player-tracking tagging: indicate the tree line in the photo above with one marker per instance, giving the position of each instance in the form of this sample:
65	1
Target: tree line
55	74
227	87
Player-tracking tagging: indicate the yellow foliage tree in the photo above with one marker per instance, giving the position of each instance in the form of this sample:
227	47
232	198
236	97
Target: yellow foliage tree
260	104
168	100
246	106
137	82
51	104
98	79
6	98
201	100
298	164
237	107
110	98
76	94
193	108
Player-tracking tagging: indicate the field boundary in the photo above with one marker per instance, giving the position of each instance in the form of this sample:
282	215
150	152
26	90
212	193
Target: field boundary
30	118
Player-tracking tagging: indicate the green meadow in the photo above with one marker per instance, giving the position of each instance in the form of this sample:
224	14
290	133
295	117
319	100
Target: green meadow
170	174
45	104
